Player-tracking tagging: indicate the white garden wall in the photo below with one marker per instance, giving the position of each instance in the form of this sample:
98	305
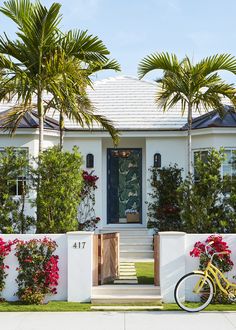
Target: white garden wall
75	266
175	260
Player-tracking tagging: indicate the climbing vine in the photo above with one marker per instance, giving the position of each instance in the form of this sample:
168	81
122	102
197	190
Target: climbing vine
86	214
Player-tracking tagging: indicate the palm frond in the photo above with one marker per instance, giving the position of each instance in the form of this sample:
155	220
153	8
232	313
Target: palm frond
218	62
158	61
12	118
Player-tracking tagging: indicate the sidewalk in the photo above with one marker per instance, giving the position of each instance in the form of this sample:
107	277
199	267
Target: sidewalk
118	321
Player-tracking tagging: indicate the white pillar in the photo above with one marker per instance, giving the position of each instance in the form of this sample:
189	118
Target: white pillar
80	261
172	262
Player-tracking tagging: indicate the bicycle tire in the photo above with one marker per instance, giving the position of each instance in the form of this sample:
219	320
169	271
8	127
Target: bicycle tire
200	303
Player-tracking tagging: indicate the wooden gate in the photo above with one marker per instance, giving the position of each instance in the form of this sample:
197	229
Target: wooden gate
105	258
156	260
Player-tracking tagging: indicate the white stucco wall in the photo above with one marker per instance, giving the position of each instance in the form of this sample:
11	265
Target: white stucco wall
93	146
75	266
175	260
213	140
11	260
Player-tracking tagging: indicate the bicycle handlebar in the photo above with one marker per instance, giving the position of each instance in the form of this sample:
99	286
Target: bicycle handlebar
215	253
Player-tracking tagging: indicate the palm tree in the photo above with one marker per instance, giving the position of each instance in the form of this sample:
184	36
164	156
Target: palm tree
27	62
196	86
73	101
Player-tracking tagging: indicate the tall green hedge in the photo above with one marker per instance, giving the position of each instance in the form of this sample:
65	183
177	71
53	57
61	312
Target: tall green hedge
59	178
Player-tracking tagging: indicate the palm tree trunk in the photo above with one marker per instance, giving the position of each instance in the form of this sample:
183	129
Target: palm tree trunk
41	131
41	120
189	138
62	126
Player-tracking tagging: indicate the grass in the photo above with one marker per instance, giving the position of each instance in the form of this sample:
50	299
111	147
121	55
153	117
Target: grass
211	307
145	272
52	306
63	306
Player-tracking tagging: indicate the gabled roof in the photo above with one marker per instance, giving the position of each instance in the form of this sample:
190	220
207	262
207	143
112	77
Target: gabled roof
214	119
31	120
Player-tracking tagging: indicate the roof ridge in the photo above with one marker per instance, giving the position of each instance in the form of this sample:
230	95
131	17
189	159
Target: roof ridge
120	77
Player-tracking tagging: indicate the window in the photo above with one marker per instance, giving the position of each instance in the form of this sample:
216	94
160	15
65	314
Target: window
17	185
228	166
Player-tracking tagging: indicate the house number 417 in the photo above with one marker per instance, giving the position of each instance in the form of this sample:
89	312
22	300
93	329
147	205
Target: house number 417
79	245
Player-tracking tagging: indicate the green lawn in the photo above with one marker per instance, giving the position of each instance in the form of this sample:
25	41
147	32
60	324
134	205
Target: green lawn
211	307
145	272
52	306
63	306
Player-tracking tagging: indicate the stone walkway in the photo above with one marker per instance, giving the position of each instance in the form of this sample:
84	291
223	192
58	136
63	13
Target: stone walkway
118	321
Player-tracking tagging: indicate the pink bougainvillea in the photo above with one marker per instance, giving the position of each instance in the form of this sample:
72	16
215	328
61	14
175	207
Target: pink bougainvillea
38	271
5	249
214	244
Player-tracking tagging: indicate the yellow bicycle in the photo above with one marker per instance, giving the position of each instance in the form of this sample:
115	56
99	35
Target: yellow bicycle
194	291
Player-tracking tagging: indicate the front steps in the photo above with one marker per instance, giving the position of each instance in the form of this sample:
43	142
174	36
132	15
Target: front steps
127	308
127	274
126	294
136	243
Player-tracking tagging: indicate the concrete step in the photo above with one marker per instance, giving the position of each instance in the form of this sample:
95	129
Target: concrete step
124	274
124	282
138	254
107	289
126	308
127	277
136	239
135	246
127	231
122	299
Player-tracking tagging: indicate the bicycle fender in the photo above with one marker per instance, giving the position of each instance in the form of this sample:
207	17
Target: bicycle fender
208	276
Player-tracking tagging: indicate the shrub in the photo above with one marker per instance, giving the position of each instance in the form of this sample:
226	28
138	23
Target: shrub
5	249
204	207
222	261
87	217
163	207
38	271
14	166
59	179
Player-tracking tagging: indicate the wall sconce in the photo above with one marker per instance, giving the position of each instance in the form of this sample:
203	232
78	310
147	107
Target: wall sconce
90	161
157	160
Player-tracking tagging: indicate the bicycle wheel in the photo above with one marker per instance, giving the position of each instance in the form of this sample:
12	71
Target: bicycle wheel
190	299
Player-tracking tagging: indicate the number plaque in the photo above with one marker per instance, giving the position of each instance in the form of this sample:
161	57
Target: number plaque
79	245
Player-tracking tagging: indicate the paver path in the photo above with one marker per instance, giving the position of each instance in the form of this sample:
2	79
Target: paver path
118	321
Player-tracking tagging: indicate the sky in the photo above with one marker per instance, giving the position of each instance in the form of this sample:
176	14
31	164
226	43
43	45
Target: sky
132	29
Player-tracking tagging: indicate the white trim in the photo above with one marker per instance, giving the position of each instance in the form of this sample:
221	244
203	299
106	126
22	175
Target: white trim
152	132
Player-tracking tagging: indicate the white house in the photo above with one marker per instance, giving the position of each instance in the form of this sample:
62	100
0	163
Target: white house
145	131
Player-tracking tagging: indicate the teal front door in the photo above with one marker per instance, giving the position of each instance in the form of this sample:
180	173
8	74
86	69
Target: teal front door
124	186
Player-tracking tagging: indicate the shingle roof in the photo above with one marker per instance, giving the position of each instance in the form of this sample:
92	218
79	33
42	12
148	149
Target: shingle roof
213	119
129	103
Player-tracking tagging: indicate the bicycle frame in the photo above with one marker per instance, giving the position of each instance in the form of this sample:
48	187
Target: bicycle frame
212	272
